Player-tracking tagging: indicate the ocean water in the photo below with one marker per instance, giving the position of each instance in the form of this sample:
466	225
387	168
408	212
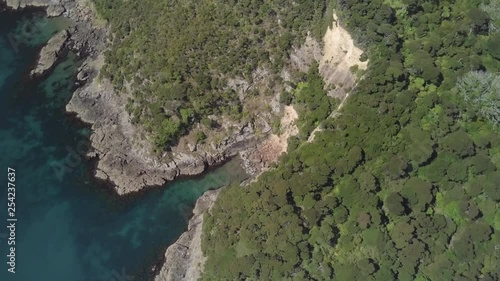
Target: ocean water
69	226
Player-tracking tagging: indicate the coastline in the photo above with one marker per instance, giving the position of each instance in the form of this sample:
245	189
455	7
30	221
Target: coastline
122	155
184	259
96	103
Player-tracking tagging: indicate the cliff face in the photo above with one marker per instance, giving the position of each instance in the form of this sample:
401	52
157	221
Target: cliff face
337	57
124	154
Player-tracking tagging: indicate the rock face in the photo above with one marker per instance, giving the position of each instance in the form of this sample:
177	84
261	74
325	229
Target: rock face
50	53
184	259
55	10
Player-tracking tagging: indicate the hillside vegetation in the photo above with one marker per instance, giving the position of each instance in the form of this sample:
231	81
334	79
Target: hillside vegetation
175	56
405	183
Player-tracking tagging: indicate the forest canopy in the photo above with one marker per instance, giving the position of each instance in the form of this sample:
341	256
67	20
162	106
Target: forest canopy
404	184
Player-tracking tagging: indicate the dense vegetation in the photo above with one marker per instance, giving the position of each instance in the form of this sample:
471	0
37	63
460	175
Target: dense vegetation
405	184
311	101
177	55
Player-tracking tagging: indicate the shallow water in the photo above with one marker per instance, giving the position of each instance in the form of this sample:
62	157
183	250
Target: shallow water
70	227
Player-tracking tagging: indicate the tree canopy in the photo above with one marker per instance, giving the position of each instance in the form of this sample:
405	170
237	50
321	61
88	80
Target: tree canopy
403	185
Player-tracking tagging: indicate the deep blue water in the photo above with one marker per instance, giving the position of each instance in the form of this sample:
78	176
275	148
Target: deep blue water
72	228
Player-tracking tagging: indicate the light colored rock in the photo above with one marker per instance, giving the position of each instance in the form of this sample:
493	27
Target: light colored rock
54	7
14	4
267	152
339	55
335	58
101	175
82	76
55	10
302	57
192	147
49	54
184	260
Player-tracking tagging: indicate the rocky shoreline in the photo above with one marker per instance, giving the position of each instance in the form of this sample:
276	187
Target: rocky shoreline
124	154
184	259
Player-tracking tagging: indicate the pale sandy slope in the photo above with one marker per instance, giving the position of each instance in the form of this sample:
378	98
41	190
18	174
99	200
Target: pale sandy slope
339	55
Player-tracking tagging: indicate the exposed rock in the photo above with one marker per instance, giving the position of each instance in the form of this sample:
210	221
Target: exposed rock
302	57
259	158
54	7
335	59
101	175
82	76
192	147
339	55
184	259
14	4
55	10
240	86
124	154
49	54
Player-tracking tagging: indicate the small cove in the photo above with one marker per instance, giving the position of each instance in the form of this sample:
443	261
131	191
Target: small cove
73	227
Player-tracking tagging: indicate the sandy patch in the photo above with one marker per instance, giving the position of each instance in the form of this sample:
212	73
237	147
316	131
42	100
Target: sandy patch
339	55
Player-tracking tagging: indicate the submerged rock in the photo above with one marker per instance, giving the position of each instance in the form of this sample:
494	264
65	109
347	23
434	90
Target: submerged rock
50	53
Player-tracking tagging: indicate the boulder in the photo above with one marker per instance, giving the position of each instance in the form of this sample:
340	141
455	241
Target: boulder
55	10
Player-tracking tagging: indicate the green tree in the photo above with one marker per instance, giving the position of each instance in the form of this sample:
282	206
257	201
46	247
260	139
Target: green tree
396	167
394	203
418	193
459	143
402	233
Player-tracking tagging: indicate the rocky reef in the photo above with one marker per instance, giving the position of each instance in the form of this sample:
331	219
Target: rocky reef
50	53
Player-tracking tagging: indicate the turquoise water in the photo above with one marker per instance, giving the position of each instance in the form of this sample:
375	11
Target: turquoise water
73	228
